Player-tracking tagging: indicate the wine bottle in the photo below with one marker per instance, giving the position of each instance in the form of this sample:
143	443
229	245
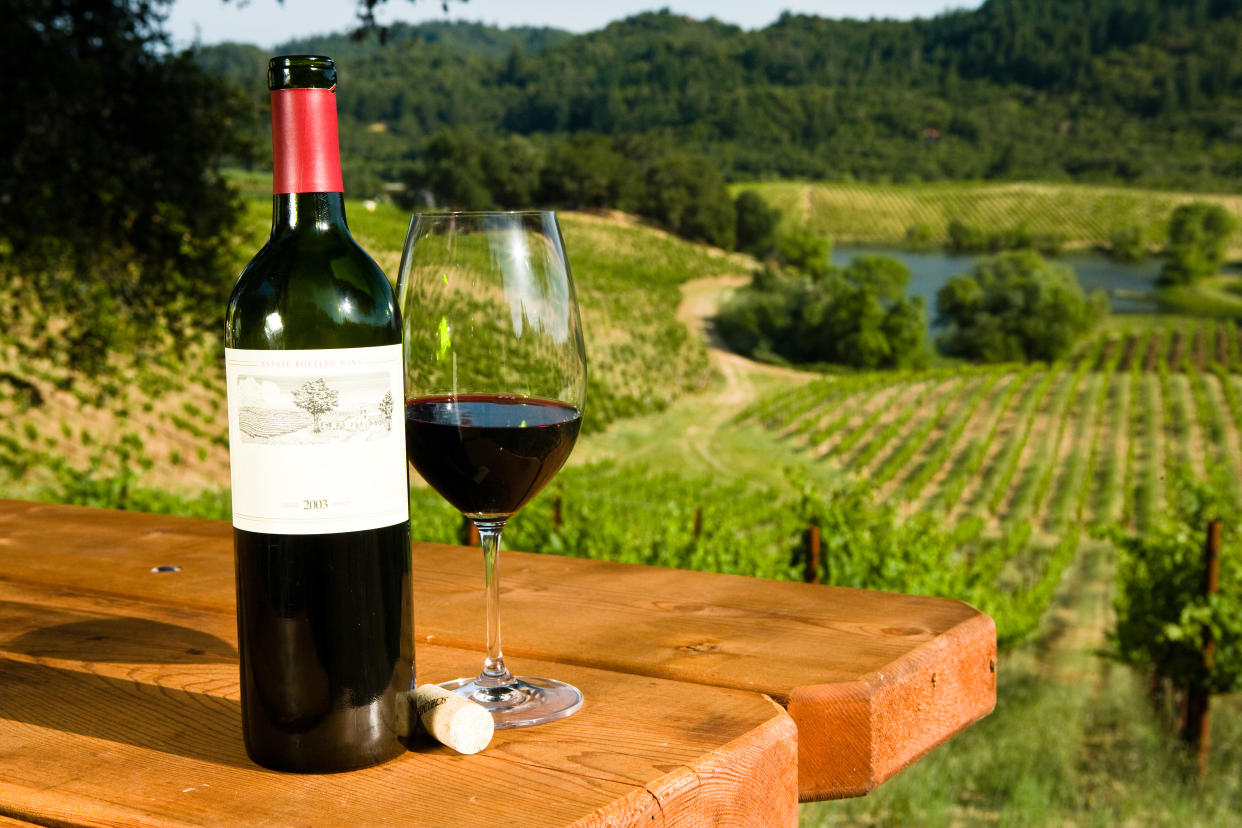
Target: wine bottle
317	455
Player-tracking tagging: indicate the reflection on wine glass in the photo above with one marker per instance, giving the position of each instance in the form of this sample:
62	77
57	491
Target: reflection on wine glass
495	381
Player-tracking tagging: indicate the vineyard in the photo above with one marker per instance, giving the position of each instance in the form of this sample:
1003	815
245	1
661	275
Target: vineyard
1019	461
964	481
974	482
883	213
269	422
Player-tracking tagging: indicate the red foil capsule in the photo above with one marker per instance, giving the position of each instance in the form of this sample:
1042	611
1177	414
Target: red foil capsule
306	154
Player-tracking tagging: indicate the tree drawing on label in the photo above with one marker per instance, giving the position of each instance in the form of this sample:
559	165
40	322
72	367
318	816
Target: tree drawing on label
386	407
301	410
317	398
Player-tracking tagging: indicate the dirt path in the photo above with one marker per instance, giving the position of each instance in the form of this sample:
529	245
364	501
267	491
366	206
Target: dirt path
700	298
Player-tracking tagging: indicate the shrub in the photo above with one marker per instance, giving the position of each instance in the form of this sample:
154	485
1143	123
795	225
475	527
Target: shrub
687	195
858	316
1127	243
919	236
1163	617
756	224
1015	306
1198	239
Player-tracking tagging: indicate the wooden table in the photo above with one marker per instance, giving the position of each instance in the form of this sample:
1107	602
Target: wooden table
711	699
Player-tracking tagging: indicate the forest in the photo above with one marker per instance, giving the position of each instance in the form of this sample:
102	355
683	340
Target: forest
1133	91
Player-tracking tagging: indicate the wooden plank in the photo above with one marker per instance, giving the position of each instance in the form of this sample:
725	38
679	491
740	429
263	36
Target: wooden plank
125	711
106	550
873	680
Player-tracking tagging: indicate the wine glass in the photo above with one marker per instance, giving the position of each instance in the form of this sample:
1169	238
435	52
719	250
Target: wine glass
495	381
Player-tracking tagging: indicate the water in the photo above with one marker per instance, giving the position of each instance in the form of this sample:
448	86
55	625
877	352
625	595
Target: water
1127	286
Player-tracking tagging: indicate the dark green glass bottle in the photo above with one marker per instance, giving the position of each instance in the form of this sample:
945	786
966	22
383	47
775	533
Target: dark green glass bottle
320	493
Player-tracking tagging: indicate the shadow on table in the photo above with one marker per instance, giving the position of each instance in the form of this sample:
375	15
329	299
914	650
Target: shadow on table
110	639
145	706
150	716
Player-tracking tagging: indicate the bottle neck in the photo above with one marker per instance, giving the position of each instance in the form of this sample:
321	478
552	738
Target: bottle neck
306	173
306	154
308	212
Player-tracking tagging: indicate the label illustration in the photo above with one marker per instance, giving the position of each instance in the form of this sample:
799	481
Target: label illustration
315	440
326	409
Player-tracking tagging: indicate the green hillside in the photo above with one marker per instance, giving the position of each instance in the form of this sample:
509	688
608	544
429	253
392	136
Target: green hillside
884	213
156	417
462	38
246	64
1128	91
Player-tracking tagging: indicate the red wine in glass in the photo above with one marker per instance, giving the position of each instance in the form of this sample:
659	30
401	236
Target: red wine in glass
488	454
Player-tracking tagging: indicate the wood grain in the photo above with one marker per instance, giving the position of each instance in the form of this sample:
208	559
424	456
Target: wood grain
873	680
98	728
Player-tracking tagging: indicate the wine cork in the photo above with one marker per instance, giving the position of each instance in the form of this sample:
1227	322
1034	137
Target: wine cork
461	724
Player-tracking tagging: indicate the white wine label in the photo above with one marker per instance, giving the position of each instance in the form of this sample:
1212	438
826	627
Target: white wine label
317	440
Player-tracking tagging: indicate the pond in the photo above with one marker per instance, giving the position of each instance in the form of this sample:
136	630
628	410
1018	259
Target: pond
1128	286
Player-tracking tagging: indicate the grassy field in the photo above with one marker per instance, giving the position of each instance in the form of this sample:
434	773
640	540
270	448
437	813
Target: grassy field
882	213
1214	297
1073	741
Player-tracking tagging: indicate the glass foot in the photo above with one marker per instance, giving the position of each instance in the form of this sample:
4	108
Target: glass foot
526	702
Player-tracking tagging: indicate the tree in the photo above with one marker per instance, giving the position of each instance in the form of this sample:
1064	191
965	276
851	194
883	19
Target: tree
386	407
366	14
756	224
511	167
317	398
687	194
1198	240
114	211
967	238
804	251
1015	306
1045	90
454	171
589	171
1127	243
857	316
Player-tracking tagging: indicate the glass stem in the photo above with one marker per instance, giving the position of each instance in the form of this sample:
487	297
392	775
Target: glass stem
494	674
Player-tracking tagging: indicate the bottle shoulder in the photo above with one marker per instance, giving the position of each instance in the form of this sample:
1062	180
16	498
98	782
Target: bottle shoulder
317	290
